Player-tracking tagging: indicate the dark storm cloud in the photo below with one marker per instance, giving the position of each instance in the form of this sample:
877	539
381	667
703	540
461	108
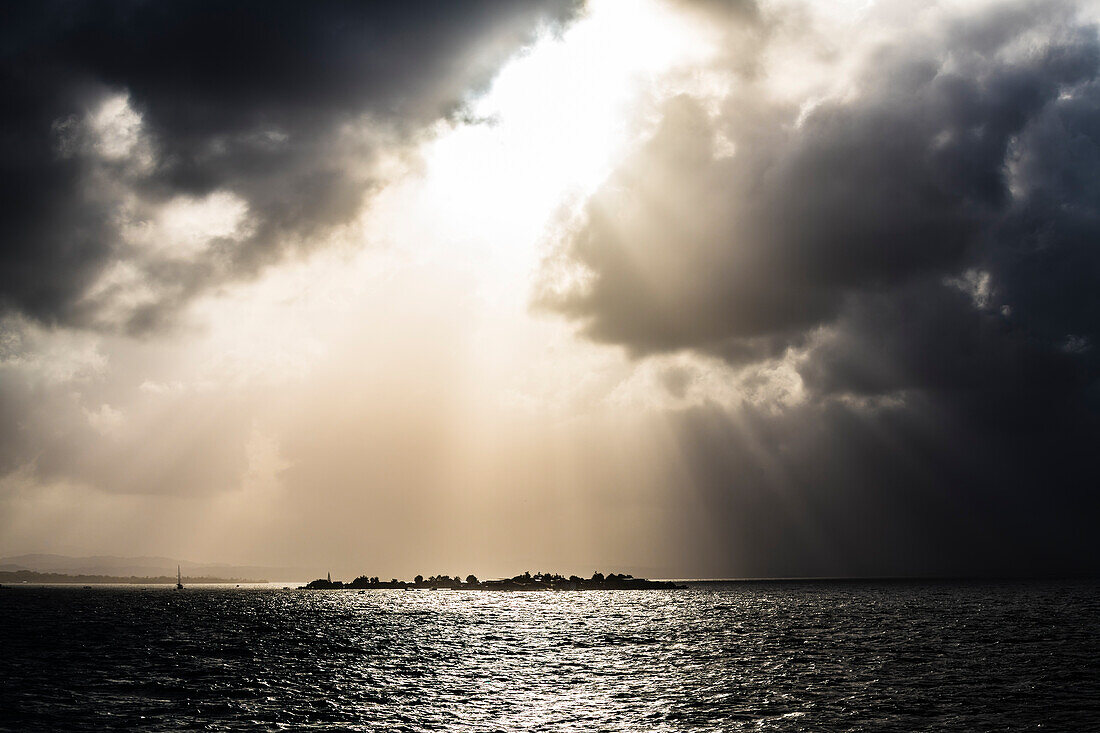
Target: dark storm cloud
903	489
260	99
691	249
927	247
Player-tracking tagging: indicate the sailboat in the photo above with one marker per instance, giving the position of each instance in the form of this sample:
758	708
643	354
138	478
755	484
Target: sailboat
179	579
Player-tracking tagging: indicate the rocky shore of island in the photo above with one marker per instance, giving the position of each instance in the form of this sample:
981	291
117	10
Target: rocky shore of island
524	582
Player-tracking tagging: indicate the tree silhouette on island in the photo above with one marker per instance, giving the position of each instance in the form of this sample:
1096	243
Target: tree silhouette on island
526	581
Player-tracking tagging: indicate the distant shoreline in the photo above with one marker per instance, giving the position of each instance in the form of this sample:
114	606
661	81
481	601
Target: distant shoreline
31	576
10	578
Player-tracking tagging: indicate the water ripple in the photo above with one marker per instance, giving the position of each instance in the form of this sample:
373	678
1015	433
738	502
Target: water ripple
760	657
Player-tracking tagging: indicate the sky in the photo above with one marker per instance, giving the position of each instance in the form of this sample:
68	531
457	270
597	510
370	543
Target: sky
682	288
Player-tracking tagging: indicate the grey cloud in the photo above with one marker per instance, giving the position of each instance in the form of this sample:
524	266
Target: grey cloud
924	251
62	431
690	249
254	98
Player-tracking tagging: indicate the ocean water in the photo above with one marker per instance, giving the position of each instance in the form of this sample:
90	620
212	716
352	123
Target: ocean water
820	656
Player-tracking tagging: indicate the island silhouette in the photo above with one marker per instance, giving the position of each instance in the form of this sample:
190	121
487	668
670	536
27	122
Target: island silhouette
524	582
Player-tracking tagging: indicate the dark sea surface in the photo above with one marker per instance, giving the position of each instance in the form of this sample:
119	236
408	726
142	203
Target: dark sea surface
814	656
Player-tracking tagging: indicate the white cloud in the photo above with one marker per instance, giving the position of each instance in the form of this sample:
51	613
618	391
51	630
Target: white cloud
105	419
185	226
978	284
50	356
111	132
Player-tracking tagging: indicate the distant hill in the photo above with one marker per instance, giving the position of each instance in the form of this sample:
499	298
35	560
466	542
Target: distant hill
148	567
11	577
